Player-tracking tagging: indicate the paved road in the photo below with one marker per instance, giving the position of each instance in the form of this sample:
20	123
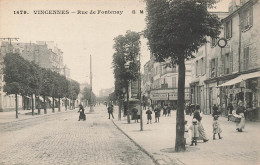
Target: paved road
61	139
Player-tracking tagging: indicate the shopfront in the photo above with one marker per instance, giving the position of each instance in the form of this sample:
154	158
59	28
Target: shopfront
167	96
245	88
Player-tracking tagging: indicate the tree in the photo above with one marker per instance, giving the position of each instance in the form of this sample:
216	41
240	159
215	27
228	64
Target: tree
127	49
16	70
86	95
175	30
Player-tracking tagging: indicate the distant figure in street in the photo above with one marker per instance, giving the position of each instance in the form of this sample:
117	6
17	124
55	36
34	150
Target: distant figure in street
240	112
135	114
169	110
81	113
216	127
196	115
110	110
165	111
157	111
149	116
186	135
144	105
194	132
230	108
216	112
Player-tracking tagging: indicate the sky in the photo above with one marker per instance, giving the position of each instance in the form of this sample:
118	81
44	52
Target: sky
79	35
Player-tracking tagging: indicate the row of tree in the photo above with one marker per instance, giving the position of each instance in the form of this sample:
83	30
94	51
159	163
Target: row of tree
126	65
29	79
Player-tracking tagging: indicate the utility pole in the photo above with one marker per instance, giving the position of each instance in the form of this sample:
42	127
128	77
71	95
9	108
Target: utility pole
10	41
90	101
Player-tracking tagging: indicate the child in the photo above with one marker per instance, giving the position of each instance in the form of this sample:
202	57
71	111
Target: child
194	132
186	135
216	127
149	116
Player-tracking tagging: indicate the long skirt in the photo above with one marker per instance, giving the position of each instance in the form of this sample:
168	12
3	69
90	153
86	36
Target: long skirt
202	134
242	123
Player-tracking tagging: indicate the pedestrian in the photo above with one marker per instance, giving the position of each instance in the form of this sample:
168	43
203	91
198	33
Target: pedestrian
230	108
149	116
110	110
169	110
144	105
135	114
197	116
81	113
241	114
216	127
165	110
194	132
157	111
186	135
215	110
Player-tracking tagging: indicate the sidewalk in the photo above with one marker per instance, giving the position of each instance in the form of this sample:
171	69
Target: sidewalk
10	116
158	140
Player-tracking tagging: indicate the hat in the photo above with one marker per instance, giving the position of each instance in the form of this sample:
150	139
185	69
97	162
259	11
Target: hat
194	120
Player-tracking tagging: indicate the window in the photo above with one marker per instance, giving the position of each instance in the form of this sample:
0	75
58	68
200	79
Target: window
247	19
202	66
227	64
246	58
197	68
228	29
214	42
213	68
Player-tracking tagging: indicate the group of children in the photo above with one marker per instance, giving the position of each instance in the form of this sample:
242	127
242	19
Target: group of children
195	130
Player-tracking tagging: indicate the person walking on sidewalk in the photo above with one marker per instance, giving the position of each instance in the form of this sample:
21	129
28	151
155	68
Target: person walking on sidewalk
197	116
241	114
149	116
135	114
110	110
194	132
169	110
186	131
216	128
157	111
165	110
230	108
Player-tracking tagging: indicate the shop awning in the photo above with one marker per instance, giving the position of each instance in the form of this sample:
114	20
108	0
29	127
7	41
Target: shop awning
241	78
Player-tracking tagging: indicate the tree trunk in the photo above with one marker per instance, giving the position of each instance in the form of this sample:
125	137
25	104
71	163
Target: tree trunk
120	108
180	141
16	106
44	105
39	107
53	104
127	104
32	105
65	103
59	105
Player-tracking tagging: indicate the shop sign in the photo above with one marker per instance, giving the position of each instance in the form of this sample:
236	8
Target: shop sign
134	89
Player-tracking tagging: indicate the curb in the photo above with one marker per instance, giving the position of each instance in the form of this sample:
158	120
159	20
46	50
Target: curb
37	116
140	147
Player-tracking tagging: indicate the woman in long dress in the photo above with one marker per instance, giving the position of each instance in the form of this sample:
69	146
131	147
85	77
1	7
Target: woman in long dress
240	113
202	134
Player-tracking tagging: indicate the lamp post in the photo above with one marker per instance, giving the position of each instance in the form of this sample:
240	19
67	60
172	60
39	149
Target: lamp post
140	94
127	95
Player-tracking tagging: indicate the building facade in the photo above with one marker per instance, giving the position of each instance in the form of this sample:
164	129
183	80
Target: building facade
160	83
45	54
231	62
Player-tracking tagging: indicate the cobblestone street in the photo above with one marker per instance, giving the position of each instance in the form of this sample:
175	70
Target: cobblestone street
62	139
